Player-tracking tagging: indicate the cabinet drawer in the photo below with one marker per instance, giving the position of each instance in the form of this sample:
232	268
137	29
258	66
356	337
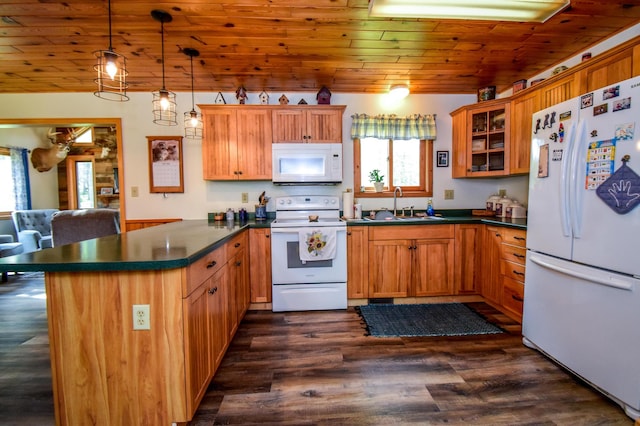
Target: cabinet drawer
410	232
513	296
203	268
512	270
516	237
237	243
514	254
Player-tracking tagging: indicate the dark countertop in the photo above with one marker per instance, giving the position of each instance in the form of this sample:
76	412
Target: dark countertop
443	220
173	245
176	245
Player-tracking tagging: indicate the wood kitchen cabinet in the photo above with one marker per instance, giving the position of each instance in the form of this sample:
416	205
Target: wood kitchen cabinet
308	124
236	143
504	269
411	260
522	109
260	265
468	266
238	254
358	262
481	140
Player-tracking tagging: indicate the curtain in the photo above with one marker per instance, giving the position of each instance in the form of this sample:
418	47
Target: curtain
20	175
391	126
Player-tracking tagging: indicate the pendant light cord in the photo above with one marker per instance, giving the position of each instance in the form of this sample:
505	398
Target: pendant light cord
193	104
162	42
110	44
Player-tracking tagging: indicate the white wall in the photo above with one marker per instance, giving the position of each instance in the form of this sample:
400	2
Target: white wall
202	196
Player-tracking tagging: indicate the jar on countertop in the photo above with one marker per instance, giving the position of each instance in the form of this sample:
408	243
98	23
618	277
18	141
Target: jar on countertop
501	206
492	202
515	210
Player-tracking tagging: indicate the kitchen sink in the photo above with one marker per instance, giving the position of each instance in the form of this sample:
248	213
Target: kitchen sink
385	215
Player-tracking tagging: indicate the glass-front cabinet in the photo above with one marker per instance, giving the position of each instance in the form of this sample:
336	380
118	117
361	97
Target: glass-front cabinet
481	140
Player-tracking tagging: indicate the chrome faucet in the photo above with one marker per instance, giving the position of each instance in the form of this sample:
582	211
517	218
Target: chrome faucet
395	193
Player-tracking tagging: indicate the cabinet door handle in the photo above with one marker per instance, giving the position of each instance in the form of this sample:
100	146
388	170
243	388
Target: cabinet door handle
521	256
517	298
267	236
519	238
239	263
213	290
211	264
236	245
239	172
518	273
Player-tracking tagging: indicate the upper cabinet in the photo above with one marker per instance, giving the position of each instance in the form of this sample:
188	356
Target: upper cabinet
308	124
236	143
483	135
482	147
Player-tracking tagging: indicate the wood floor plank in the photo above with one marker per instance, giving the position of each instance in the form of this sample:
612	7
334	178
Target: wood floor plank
320	368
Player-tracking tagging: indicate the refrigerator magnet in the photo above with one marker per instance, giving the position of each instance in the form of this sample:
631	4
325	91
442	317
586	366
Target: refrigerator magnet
561	133
621	192
543	164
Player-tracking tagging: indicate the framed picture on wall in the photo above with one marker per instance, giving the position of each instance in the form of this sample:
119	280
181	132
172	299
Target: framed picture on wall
442	158
165	164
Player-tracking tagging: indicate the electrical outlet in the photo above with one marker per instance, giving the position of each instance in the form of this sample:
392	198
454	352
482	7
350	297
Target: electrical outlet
448	194
141	320
134	191
245	197
502	192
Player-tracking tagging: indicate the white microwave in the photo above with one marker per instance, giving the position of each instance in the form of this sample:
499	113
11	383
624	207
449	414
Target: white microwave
307	163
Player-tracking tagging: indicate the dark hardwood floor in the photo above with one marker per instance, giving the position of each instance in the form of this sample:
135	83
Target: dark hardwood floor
316	368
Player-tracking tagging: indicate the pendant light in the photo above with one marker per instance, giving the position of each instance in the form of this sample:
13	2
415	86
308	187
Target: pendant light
164	102
111	70
192	120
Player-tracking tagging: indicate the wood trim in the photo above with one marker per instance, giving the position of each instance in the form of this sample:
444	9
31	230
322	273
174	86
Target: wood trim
134	224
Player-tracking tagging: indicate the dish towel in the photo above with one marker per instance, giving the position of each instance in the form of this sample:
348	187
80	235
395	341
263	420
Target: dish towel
317	244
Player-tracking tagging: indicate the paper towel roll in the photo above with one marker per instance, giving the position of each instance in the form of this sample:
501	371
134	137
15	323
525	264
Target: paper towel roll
347	204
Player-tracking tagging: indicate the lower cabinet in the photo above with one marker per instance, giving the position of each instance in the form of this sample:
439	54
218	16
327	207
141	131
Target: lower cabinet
260	264
411	260
358	262
213	311
503	269
468	257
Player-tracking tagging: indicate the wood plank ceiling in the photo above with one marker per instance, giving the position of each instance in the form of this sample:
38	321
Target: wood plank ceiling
287	45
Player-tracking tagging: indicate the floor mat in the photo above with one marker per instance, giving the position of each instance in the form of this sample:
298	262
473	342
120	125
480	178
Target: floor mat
438	319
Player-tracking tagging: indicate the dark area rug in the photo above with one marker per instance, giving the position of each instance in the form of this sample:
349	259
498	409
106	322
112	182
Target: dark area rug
438	319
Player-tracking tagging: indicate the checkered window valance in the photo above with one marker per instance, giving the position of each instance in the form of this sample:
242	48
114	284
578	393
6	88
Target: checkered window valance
391	126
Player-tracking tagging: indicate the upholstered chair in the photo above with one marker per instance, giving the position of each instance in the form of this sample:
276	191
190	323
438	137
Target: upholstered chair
33	228
70	226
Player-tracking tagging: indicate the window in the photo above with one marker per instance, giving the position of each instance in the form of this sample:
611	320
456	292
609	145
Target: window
404	163
14	194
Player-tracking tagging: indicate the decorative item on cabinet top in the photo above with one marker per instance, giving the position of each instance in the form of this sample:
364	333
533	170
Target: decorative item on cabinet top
324	96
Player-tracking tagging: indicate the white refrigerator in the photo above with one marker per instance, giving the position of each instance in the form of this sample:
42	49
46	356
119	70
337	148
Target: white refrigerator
582	285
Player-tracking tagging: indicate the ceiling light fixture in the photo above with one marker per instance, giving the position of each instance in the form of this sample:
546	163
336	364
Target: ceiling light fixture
192	120
164	102
112	72
494	10
399	91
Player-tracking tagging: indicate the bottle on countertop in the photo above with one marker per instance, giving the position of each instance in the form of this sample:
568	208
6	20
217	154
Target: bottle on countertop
430	211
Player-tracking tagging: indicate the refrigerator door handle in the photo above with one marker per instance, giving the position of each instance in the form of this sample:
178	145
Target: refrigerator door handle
577	185
565	211
609	282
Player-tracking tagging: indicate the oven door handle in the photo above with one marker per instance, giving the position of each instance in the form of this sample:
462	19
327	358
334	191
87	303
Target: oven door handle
297	229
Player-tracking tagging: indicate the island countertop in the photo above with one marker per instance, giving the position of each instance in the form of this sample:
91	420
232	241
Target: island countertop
173	245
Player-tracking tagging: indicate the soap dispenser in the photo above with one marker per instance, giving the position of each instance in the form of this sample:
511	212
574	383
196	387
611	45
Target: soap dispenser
430	211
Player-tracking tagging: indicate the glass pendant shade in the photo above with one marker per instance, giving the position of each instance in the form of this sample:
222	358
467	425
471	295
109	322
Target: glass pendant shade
192	125
192	120
164	108
164	101
111	72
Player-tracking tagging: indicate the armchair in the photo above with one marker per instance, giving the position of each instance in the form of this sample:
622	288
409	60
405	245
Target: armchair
70	226
33	228
8	248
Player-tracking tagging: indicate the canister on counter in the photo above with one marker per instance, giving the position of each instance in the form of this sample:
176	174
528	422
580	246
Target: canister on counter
492	202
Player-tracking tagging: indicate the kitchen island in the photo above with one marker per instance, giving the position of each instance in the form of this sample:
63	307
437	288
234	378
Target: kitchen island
138	322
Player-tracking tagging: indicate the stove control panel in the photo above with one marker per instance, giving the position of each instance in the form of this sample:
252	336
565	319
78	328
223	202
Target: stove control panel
307	202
